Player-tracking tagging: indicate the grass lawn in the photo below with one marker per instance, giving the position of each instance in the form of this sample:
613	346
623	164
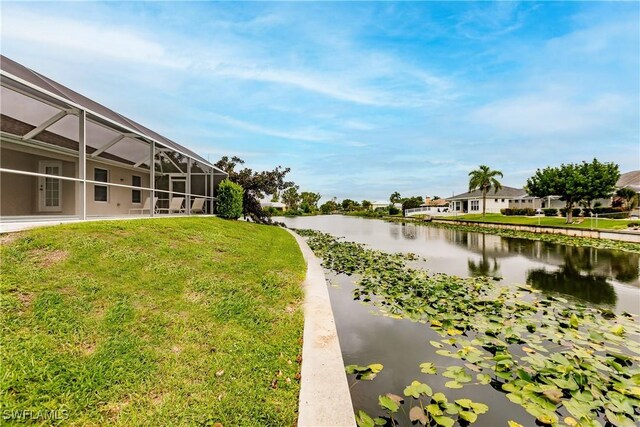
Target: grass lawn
175	321
603	224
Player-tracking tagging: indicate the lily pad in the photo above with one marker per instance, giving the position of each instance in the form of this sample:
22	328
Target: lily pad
417	414
416	389
428	368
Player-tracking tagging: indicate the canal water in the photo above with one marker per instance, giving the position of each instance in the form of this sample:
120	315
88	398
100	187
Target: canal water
595	277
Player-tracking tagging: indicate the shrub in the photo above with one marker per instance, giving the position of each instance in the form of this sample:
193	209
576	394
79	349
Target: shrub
518	211
633	224
293	212
393	210
229	203
550	212
271	211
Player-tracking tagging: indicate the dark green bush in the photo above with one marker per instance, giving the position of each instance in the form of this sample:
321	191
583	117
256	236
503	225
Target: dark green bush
550	212
293	212
633	224
229	204
393	210
518	211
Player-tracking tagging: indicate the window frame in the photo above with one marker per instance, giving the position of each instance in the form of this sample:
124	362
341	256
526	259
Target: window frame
136	192
96	186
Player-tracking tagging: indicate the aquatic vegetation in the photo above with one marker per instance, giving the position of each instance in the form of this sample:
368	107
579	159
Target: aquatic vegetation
552	238
437	410
565	364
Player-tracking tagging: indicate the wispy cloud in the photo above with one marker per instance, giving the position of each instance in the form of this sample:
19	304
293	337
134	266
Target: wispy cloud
105	40
486	21
308	134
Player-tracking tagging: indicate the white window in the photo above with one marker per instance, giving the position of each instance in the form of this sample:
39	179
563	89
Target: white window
136	195
475	205
100	192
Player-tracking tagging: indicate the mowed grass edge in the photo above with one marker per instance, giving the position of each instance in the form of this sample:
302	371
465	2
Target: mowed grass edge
588	223
174	321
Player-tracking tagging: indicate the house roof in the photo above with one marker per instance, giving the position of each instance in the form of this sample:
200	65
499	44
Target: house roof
55	91
504	192
630	180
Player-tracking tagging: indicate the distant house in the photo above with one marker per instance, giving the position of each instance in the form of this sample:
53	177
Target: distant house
64	155
506	197
435	205
383	204
631	180
265	204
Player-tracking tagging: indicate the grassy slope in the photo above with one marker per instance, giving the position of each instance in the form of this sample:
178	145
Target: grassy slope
603	224
167	321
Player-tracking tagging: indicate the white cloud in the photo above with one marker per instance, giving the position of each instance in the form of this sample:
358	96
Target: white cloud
306	134
326	84
98	39
548	114
358	125
360	76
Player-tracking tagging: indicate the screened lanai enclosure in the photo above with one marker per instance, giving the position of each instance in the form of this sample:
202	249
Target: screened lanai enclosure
64	155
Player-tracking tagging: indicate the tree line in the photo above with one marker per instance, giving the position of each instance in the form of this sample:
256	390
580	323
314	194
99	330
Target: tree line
574	183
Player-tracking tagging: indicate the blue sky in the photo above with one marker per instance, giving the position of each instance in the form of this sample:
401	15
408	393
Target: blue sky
359	99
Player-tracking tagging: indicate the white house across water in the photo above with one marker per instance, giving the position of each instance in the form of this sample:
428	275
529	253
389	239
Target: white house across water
65	156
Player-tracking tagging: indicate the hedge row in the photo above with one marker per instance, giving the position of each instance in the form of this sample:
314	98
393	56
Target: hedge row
518	211
614	213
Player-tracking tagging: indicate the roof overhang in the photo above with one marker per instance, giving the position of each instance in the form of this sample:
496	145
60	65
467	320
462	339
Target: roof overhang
124	126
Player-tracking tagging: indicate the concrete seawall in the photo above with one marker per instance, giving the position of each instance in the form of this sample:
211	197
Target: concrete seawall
325	399
622	235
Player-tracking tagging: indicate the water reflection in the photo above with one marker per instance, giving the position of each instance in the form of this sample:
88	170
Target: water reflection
409	232
569	281
594	276
579	271
484	267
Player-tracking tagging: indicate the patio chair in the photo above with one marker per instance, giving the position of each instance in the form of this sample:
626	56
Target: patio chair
174	207
146	206
198	205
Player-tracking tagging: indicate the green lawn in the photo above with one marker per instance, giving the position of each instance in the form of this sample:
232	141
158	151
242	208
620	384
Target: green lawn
177	321
604	224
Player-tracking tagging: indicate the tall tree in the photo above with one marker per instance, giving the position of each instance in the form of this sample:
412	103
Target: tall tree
256	185
395	198
411	202
290	197
309	201
329	207
484	179
574	183
600	180
366	205
349	205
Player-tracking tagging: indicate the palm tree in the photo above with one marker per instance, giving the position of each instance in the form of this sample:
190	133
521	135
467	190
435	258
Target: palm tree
484	179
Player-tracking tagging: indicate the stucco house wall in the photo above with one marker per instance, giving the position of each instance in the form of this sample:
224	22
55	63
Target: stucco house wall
20	193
